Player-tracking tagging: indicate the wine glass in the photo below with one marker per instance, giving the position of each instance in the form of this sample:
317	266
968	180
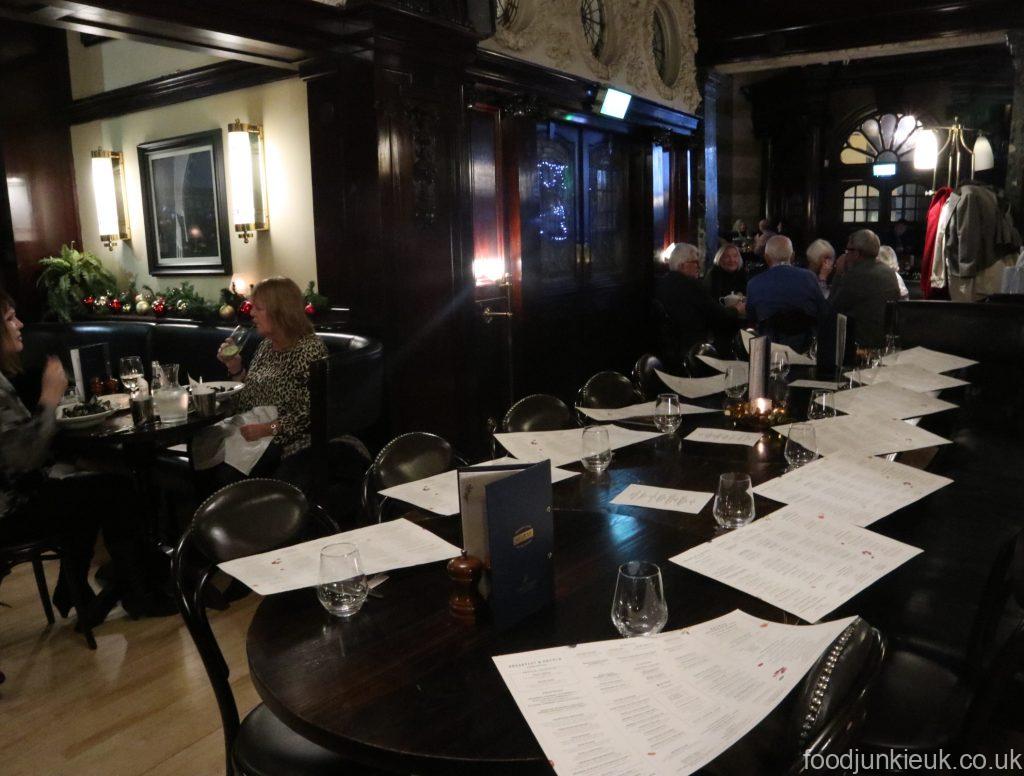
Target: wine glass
736	381
342	586
801	445
823	404
734	500
235	342
596	452
667	413
638	604
131	372
780	364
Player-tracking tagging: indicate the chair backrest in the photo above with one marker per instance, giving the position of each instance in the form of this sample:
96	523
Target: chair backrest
694	366
245	518
831	703
405	458
537	412
608	390
644	378
668	337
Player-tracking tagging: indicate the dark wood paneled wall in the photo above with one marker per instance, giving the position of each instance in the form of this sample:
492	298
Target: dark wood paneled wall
35	155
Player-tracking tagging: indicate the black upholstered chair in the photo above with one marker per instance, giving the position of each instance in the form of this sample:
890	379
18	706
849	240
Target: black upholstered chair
608	390
793	327
536	412
246	518
697	368
646	382
35	552
405	458
927	701
822	716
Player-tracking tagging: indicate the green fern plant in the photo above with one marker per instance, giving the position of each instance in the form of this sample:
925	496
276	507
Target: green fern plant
70	277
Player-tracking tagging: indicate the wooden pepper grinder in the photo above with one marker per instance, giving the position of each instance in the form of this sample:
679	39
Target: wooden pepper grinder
464	601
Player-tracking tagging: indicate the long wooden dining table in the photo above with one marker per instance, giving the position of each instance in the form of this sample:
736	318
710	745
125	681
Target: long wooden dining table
406	687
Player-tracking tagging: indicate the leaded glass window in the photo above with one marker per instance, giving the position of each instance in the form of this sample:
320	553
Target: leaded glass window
884	137
658	47
860	204
593	21
908	202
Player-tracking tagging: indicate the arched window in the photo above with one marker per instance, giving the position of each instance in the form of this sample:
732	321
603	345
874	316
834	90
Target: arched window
881	138
593	21
860	204
908	202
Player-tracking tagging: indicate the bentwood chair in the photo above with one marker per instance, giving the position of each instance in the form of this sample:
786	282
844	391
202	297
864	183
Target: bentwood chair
644	378
405	458
247	518
35	552
927	701
821	717
697	368
609	391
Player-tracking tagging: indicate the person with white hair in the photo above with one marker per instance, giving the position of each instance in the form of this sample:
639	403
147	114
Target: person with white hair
693	316
864	288
887	256
727	278
821	258
785	291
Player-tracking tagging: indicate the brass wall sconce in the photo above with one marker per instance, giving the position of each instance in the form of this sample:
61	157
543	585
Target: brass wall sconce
247	175
109	193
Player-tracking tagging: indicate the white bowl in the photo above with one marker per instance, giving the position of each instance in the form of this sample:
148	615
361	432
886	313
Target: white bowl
84	421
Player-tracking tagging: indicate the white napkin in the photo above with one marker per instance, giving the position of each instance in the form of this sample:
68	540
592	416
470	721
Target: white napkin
224	443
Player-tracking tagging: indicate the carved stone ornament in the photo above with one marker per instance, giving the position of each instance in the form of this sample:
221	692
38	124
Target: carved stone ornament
549	33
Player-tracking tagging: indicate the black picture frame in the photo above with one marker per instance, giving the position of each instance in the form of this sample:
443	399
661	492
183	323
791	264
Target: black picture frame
185	205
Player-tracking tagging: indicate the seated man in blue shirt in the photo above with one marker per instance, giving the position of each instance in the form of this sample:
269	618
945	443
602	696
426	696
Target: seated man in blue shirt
785	301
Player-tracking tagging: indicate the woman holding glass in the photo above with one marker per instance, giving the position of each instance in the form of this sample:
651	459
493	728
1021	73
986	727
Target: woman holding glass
278	375
34	505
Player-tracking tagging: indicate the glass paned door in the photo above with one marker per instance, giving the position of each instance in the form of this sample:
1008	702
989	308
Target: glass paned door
557	203
607	213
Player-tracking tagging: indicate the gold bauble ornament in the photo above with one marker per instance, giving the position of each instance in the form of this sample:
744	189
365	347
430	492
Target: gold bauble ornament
141	307
227	312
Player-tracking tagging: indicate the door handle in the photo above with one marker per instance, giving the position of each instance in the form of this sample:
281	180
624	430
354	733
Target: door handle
490	315
586	254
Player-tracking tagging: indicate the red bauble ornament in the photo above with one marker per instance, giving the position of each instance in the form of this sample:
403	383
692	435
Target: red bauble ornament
310	310
159	307
115	305
89	301
245	308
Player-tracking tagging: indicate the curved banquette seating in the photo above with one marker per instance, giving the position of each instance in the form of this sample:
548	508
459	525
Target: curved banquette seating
357	360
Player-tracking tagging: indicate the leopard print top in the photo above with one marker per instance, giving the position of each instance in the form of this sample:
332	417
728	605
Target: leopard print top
280	378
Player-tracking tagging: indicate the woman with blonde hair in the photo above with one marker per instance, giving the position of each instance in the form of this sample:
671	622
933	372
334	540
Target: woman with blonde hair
278	375
727	277
821	259
887	256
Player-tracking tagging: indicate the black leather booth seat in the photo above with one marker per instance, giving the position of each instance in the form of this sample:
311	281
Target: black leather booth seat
194	347
990	333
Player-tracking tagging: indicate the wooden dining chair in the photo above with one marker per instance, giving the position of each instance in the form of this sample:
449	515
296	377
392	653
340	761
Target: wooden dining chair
247	518
46	549
927	700
645	380
405	458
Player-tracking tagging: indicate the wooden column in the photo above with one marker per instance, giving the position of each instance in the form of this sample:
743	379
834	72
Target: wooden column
1015	157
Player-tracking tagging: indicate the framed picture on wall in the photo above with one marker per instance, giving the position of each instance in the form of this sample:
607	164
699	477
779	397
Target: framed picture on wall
185	202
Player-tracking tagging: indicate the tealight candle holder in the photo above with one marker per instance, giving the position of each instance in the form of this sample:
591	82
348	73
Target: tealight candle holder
758	415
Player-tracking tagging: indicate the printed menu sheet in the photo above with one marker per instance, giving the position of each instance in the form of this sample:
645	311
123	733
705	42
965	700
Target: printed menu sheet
913	378
645	410
797	359
805	562
867	435
693	387
888	400
561	447
723	436
440	493
663	705
395	544
673	499
932	360
828	384
722	365
858	489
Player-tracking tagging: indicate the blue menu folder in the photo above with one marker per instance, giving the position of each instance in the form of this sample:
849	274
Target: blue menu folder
507	522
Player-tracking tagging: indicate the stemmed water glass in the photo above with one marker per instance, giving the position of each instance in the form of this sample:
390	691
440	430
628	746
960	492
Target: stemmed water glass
638	605
734	500
131	373
667	413
823	404
801	445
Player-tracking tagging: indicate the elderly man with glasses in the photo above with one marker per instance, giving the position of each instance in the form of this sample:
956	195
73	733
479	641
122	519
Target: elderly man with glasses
864	287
